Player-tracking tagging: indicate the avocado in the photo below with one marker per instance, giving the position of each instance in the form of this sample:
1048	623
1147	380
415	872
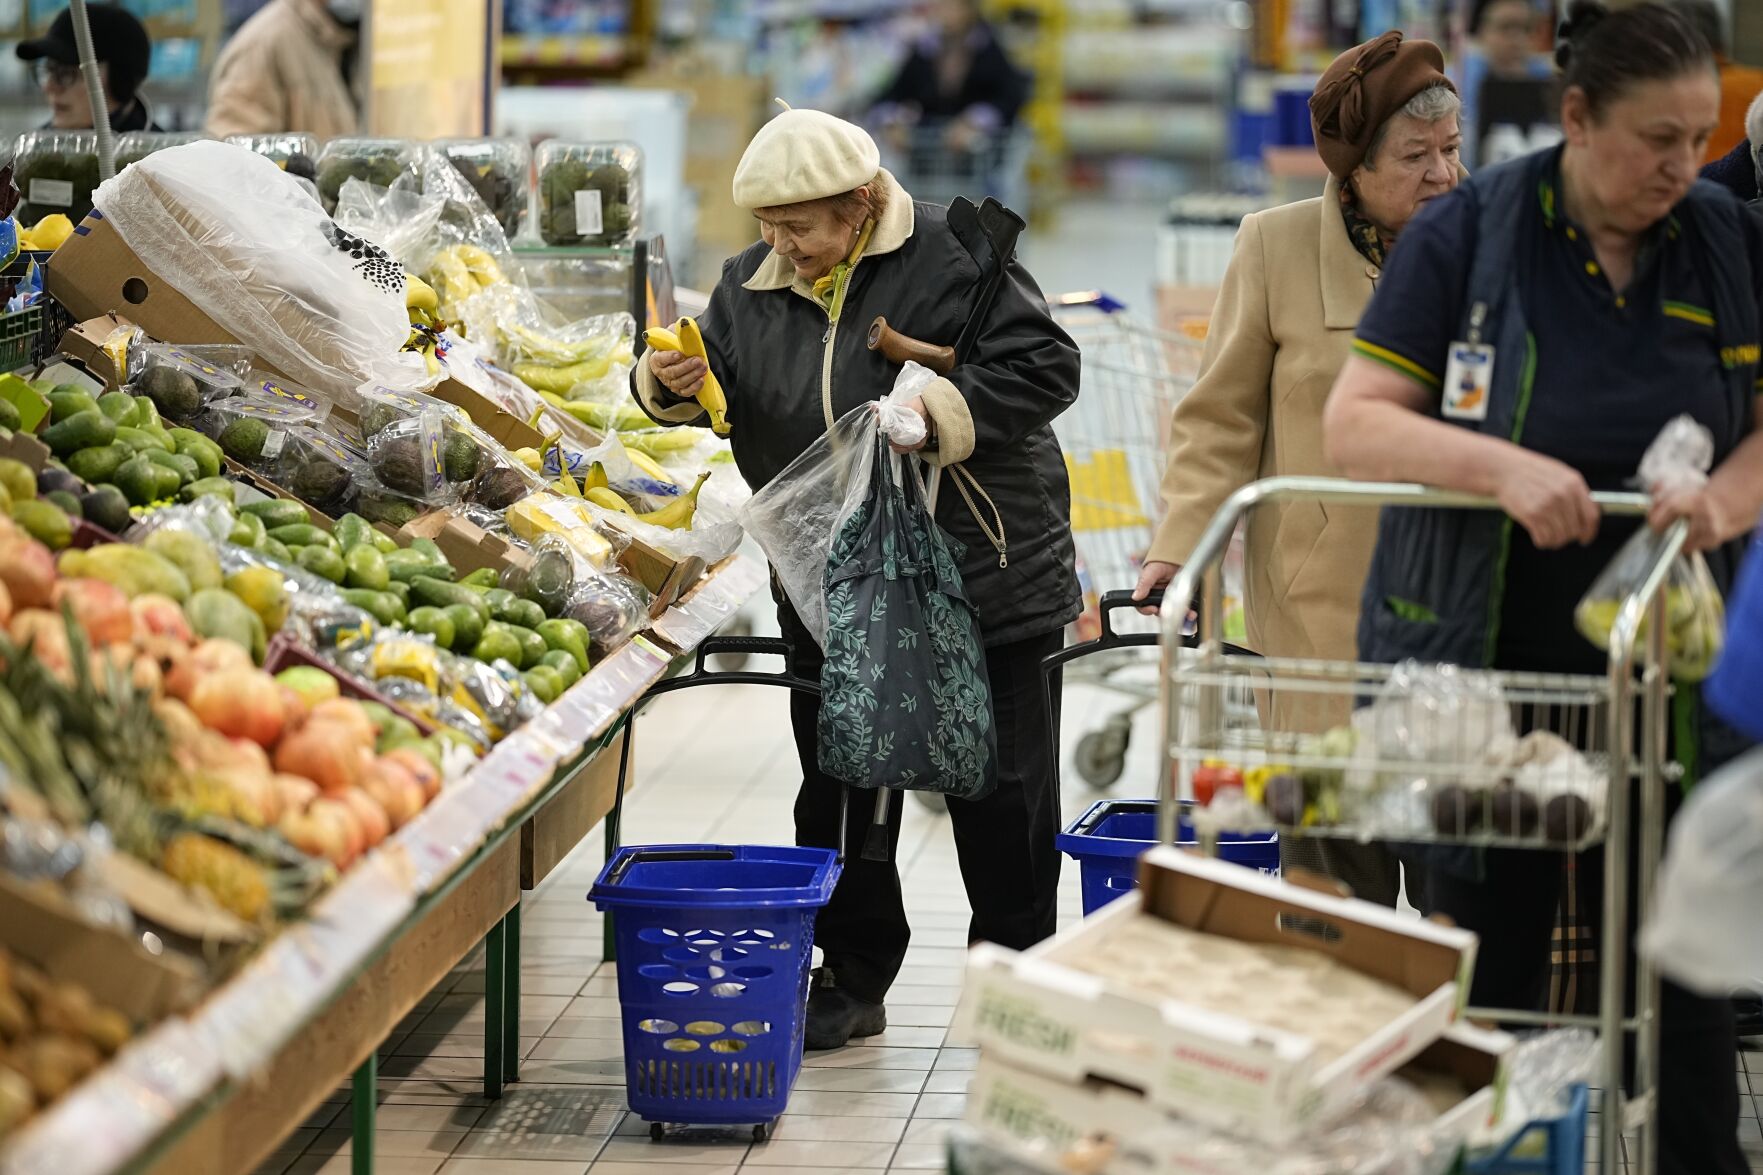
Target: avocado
376	418
83	430
106	507
550	580
323	483
55	477
63	404
498	488
139	440
439	593
401	467
323	562
69	504
44	521
387	509
185	467
173	392
210	487
243	439
460	457
193	444
119	406
468	626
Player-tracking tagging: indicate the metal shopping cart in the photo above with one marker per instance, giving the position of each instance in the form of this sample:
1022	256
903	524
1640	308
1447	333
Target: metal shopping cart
1618	722
1115	441
932	170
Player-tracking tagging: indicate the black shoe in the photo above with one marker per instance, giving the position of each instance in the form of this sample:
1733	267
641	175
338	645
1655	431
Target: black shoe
1750	1015
835	1015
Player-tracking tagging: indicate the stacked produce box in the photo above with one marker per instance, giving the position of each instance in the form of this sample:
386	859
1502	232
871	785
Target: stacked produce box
250	630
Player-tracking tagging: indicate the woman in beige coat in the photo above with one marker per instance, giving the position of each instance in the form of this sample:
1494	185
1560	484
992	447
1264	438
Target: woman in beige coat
1386	123
283	71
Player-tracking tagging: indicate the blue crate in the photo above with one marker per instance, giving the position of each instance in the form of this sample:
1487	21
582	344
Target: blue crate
1562	1145
1107	840
714	947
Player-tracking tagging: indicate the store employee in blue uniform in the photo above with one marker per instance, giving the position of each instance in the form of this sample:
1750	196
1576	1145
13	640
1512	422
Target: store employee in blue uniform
1532	334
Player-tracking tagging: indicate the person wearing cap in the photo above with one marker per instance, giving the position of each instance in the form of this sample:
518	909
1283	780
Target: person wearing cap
786	334
1386	123
1533	334
124	54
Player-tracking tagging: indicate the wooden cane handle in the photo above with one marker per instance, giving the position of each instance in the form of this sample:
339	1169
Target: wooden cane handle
899	348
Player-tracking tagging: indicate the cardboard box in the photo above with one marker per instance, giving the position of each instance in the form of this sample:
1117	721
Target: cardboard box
83	345
1052	1120
95	275
667	578
41	927
1033	1010
467	546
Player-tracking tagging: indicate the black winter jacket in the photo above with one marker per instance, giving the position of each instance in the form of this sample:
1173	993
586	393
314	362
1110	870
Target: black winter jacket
767	340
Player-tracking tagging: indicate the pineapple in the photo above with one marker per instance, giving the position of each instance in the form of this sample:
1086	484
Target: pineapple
234	880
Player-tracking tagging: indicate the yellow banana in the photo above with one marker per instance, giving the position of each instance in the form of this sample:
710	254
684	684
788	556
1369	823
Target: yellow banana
419	295
649	466
483	267
686	339
677	514
455	283
608	499
596	479
529	458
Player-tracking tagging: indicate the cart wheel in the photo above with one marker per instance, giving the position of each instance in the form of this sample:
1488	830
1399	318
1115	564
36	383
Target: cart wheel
936	801
1101	755
761	1132
655	1131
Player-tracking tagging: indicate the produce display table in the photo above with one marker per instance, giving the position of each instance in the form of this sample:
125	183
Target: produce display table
218	1089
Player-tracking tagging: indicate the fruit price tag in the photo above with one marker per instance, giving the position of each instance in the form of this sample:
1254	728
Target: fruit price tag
590	220
439	839
249	1020
554	735
59	193
170	1061
105	1121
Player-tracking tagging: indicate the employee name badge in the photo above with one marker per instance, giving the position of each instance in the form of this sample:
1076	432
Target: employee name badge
1469	374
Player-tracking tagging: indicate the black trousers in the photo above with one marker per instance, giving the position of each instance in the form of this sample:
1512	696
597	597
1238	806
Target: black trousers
1005	842
1513	908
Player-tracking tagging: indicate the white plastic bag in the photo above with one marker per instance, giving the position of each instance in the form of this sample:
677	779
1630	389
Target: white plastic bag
255	252
794	517
1704	931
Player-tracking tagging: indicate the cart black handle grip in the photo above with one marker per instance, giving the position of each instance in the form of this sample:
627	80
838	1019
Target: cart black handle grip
760	646
618	873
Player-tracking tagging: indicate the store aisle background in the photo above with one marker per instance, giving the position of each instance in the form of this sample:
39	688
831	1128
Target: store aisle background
718	765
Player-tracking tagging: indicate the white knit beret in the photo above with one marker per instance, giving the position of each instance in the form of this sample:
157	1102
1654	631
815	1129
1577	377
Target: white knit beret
804	155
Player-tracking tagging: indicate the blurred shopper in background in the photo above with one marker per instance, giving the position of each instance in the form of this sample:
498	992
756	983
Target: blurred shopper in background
956	81
124	53
1740	170
1739	84
1502	47
287	69
1609	293
1386	123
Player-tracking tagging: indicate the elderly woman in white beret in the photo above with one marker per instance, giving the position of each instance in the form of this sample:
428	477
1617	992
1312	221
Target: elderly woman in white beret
786	334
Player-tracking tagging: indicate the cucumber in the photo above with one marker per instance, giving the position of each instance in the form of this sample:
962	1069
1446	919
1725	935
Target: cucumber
438	593
382	606
277	512
303	534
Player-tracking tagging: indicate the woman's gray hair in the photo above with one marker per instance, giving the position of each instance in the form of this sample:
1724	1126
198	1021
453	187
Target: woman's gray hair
1433	104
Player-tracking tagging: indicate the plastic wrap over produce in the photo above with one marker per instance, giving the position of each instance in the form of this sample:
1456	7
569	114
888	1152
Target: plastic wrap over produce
241	239
1704	931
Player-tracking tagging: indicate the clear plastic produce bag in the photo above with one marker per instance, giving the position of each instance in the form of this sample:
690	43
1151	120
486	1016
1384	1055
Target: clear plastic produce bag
255	253
1704	932
795	517
1678	461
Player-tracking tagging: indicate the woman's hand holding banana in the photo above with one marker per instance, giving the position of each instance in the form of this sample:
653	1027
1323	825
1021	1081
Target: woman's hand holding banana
678	359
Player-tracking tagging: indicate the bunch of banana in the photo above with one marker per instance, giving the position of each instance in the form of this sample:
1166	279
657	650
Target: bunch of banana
426	340
676	515
461	272
658	442
421	302
602	418
686	339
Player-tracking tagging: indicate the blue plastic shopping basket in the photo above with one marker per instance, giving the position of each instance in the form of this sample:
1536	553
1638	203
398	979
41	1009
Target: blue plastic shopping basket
714	947
1107	841
1561	1150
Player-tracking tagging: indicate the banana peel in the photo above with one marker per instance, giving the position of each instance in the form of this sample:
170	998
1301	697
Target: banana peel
686	339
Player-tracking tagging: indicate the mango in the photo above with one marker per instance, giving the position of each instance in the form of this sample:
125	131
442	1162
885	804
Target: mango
136	570
194	555
264	591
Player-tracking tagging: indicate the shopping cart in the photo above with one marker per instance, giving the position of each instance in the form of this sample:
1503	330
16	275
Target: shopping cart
932	170
1115	441
1608	718
713	945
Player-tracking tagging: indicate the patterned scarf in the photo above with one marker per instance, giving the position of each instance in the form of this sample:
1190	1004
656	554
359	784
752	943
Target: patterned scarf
829	290
1365	236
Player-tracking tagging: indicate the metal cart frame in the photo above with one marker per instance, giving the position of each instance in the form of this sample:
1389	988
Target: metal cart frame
1197	674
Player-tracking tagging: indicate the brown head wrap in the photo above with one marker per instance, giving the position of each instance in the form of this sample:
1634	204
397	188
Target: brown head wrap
1362	89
